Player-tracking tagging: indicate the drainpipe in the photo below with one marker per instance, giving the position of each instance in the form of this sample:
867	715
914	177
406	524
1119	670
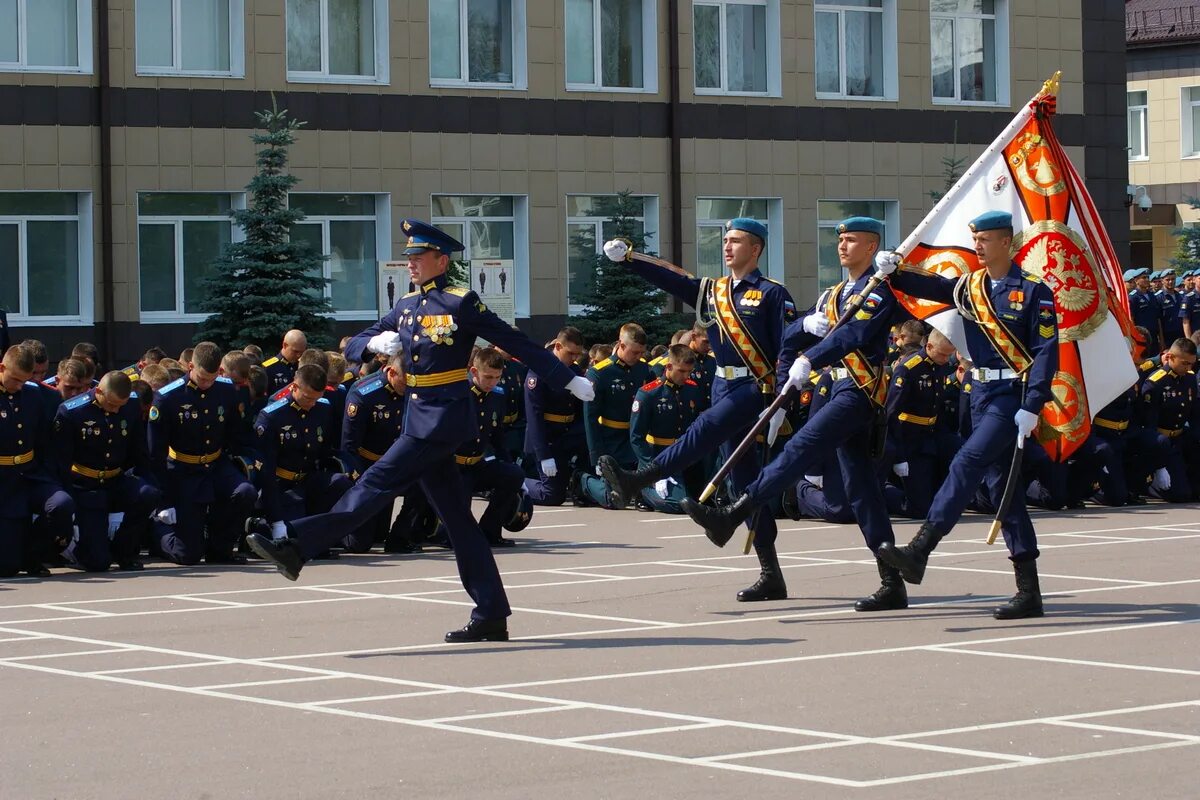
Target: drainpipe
103	91
674	125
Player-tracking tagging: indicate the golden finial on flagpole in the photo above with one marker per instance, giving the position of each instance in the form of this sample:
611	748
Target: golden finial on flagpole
1051	86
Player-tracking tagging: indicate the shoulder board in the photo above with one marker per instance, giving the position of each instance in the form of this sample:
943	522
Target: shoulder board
323	400
602	364
347	376
1029	276
172	386
772	280
659	360
1160	291
913	361
371	385
457	291
133	396
223	379
691	382
654	384
35	384
413	293
498	389
77	401
271	361
1146	365
1158	375
278	404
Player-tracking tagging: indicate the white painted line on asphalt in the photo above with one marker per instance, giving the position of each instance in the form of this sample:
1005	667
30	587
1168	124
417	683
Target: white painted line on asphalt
673	518
214	601
520	712
1120	729
43	656
597	737
187	665
546	527
275	682
378	697
683	536
1074	661
85	611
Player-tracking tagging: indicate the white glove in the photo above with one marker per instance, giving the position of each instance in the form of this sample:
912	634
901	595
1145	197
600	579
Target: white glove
114	521
166	516
549	467
1026	422
617	250
386	343
798	374
901	469
816	480
817	324
886	262
582	388
774	425
278	531
1162	480
662	488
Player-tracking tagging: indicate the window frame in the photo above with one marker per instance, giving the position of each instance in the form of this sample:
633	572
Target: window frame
891	223
1189	97
83	43
382	59
237	46
85	245
237	200
649	211
772	33
649	53
520	81
775	241
1001	19
1142	109
520	221
890	80
383	245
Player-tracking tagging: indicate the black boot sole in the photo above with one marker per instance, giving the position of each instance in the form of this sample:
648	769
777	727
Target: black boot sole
287	571
868	604
895	557
696	512
746	596
1033	613
608	471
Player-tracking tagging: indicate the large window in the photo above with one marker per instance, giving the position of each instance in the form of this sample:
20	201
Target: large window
831	213
589	226
194	37
1137	120
711	215
856	49
45	256
349	230
46	35
343	41
969	50
180	235
1190	118
736	46
495	232
611	44
477	43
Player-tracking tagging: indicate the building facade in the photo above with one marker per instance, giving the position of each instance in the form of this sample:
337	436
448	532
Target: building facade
125	125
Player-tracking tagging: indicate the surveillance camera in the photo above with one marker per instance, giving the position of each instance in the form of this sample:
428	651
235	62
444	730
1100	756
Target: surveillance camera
1145	203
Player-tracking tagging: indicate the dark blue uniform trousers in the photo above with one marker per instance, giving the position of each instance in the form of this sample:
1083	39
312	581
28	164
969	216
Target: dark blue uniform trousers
725	424
552	491
23	543
986	456
829	502
127	494
843	425
220	498
431	464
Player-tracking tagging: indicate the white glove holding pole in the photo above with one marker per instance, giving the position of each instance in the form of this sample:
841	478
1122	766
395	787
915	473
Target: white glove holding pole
817	324
1162	480
386	343
798	374
901	469
582	388
549	467
886	262
617	250
166	516
774	425
1026	422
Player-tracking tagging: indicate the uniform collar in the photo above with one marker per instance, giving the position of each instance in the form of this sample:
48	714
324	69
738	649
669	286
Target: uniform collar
675	387
279	355
476	390
434	283
751	279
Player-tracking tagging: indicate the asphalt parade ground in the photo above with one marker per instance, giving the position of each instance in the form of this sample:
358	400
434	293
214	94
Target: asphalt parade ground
632	672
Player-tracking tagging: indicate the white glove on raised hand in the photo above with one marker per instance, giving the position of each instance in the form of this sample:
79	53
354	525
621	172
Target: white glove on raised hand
901	469
1026	422
617	250
816	480
114	521
549	467
582	388
166	516
817	324
798	374
386	343
886	262
1162	480
774	425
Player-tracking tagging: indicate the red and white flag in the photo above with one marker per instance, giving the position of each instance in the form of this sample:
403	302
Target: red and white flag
1060	239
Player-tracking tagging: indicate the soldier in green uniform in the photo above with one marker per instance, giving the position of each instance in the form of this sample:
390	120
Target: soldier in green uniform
606	418
662	410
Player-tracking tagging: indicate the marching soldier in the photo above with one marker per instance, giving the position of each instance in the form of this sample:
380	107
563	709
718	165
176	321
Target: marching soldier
100	442
554	425
282	367
662	411
1012	334
606	419
1168	398
435	327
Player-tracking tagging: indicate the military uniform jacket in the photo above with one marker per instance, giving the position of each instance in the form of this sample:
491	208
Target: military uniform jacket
291	443
280	372
1167	402
1024	305
490	408
606	418
1117	419
553	416
704	373
1189	309
513	381
1144	308
25	449
438	324
373	420
189	428
914	401
1169	303
661	412
94	446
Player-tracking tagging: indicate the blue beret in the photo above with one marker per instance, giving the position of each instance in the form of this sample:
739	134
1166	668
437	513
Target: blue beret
749	226
1162	273
990	221
861	225
422	236
1154	275
1137	272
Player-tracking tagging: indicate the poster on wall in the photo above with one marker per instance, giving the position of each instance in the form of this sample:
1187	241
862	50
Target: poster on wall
493	280
393	284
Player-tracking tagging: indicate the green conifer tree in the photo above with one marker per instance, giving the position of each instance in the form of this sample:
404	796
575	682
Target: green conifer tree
1187	245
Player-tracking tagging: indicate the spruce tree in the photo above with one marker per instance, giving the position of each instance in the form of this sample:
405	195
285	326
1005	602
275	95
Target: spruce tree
617	296
267	284
1187	246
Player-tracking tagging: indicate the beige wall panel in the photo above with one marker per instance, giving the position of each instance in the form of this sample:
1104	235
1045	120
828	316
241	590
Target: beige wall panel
41	177
12	144
12	176
41	146
76	145
78	178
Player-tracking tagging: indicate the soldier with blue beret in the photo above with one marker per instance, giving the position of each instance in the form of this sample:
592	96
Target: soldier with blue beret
1145	309
435	327
554	425
661	412
1169	301
1189	304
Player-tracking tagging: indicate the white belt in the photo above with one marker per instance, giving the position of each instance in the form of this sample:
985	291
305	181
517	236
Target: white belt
839	373
983	375
730	373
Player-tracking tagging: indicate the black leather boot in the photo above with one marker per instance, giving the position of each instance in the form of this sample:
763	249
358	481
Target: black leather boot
284	554
912	558
480	630
719	523
891	594
1027	602
770	585
626	484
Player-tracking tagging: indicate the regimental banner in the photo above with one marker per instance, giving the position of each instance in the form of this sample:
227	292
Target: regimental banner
1057	237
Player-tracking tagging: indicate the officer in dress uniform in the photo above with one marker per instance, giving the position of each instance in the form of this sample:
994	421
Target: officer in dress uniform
749	312
606	419
28	485
435	327
846	422
100	442
661	412
1169	301
281	368
1012	334
1168	399
554	425
1144	308
195	428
